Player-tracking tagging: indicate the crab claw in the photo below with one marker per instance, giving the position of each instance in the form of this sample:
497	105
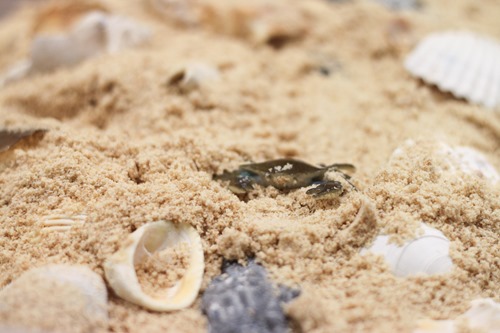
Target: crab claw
328	189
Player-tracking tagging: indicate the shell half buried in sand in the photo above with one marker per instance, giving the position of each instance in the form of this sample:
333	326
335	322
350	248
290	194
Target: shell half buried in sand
54	298
462	63
427	254
483	316
120	268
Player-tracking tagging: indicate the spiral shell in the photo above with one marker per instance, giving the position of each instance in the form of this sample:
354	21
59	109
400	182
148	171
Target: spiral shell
428	254
154	237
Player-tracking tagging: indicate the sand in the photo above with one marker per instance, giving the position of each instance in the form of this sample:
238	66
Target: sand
126	148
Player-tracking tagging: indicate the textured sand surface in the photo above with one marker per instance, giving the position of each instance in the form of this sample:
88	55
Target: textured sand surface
126	148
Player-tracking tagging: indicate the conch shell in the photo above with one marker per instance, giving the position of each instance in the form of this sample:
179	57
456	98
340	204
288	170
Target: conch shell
152	237
428	254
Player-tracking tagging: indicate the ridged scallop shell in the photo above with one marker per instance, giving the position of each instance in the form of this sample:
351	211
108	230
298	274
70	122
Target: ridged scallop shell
54	298
462	63
428	253
483	316
156	236
61	222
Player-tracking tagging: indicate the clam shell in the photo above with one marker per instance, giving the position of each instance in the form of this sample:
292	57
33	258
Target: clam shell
462	63
54	298
483	316
428	254
156	236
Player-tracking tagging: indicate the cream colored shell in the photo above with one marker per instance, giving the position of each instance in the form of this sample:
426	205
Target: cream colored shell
54	298
462	63
152	237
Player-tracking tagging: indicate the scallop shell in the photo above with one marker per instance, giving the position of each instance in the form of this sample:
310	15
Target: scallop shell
428	254
462	63
483	316
54	298
152	237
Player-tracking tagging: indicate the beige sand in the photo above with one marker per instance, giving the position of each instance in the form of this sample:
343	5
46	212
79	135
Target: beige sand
125	149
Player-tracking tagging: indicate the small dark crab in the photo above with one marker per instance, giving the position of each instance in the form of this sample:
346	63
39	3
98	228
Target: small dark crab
287	174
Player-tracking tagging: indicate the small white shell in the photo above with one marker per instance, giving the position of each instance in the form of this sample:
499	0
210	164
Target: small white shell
465	64
193	75
483	316
93	34
53	297
152	237
427	254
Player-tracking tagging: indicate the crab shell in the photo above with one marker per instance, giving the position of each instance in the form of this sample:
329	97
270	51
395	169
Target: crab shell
152	237
286	173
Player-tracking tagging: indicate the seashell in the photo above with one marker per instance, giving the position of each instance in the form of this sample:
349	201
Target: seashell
462	63
61	222
401	4
428	254
483	316
453	159
184	12
243	299
54	298
57	17
148	239
8	138
193	75
93	34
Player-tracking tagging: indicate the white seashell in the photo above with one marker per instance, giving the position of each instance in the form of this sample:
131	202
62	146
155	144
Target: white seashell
428	254
455	159
61	222
193	75
93	34
483	316
463	63
54	298
152	237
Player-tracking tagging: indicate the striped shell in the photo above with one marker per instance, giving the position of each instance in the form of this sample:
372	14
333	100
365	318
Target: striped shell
120	268
462	63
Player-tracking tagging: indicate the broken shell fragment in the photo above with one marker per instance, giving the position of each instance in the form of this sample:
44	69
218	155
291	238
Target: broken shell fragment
462	63
428	253
8	138
154	237
483	316
54	298
61	222
192	76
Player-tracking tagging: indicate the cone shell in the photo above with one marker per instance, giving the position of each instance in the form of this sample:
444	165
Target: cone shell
462	63
152	237
54	298
428	253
